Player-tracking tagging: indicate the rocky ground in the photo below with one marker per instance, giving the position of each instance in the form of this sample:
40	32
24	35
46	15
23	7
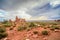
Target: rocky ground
29	35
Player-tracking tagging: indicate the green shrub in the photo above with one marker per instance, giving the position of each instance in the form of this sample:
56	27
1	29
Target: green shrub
2	29
42	23
21	28
48	27
7	25
3	35
54	27
11	29
54	23
35	32
28	29
45	32
4	22
32	25
3	32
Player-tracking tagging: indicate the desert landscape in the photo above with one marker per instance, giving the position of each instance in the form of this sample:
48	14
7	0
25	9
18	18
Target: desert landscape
29	19
20	29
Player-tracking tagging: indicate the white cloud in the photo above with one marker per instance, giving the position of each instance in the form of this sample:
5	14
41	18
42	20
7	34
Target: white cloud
43	18
39	18
55	3
23	14
2	13
12	14
21	7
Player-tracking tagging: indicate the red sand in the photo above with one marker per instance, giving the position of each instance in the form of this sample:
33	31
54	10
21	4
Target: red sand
28	35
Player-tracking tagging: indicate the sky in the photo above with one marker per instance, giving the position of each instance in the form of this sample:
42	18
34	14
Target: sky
30	9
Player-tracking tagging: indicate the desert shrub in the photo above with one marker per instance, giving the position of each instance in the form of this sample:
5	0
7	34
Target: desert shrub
11	29
54	27
28	29
35	32
54	23
45	32
48	27
3	32
32	25
3	35
42	23
21	28
2	29
6	23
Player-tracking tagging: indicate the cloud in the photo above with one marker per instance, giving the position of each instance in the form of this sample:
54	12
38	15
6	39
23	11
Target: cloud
22	14
12	14
30	9
55	3
17	4
39	18
46	10
2	13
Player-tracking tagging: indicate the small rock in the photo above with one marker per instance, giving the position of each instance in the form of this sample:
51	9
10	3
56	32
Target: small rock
27	39
38	25
45	38
6	39
56	30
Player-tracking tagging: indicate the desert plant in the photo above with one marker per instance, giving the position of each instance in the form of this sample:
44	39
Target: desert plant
11	28
54	27
3	32
7	25
42	23
3	35
28	29
45	32
21	28
2	29
4	22
32	25
53	23
35	32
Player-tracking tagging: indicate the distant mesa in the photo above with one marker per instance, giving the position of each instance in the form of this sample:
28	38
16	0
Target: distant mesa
57	20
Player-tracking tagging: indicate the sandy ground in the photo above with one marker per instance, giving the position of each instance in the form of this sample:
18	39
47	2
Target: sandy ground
28	35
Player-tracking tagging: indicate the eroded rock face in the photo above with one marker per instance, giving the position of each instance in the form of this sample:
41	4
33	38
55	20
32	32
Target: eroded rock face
18	22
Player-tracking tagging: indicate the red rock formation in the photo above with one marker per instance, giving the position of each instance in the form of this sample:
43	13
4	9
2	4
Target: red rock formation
18	22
